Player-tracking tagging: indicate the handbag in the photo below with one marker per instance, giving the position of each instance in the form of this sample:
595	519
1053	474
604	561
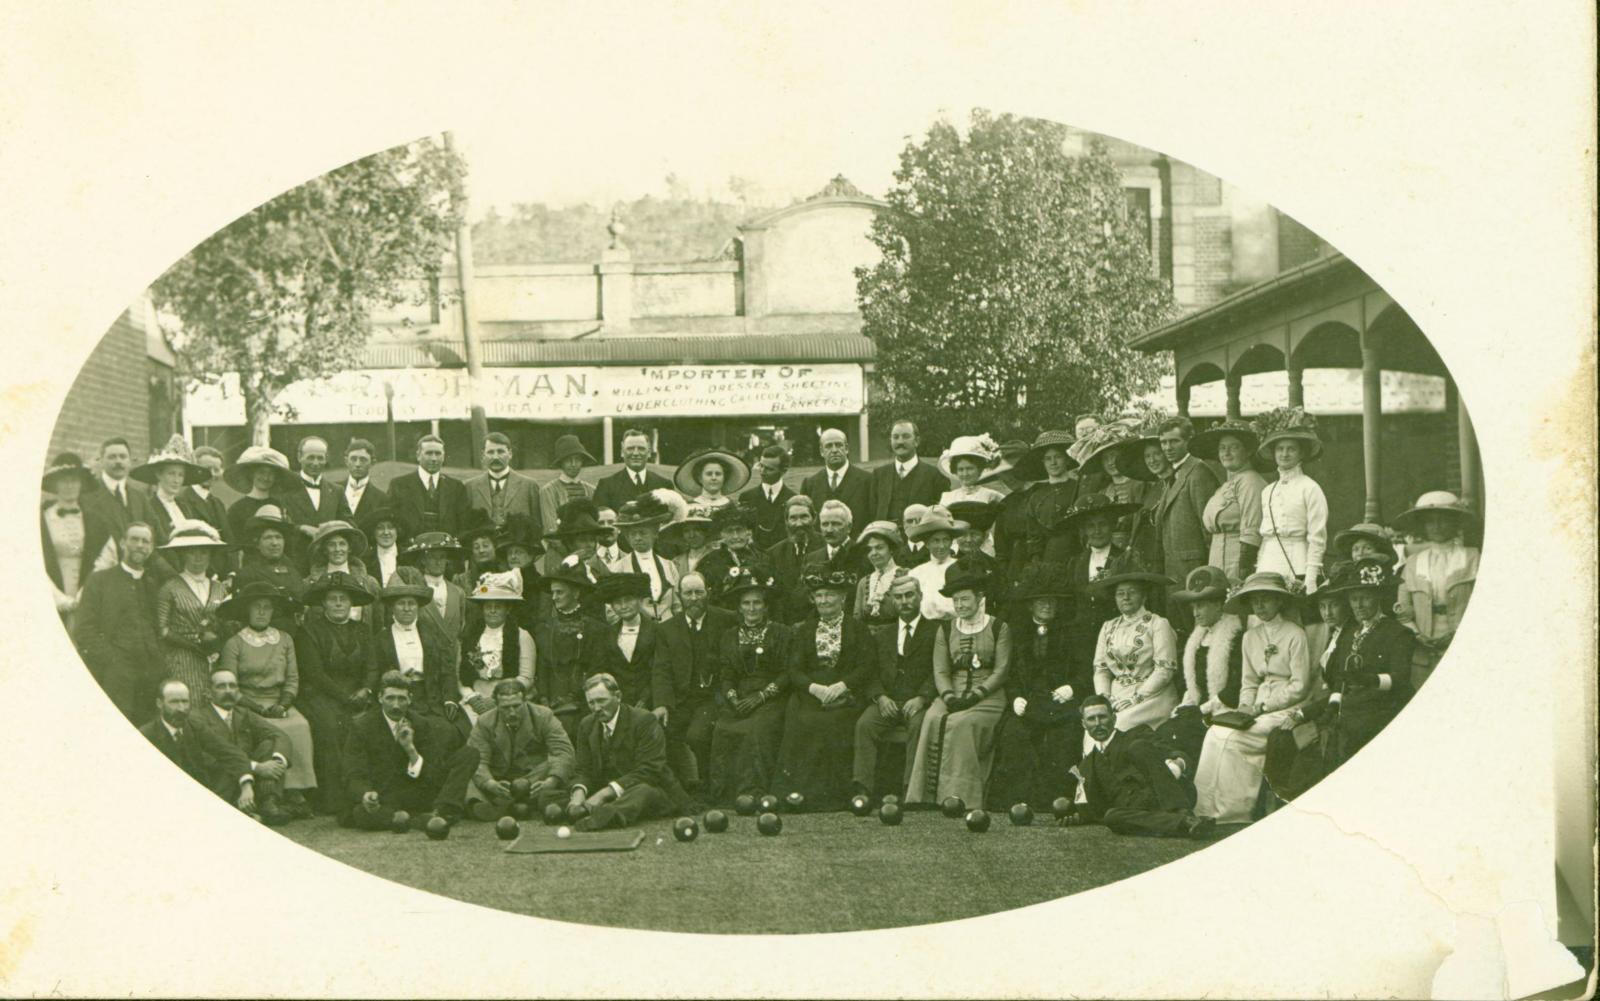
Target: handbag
1232	719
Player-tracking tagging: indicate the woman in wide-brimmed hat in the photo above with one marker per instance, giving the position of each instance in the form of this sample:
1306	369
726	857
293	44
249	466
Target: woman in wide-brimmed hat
1294	511
1213	664
380	523
1369	671
710	477
1103	455
640	521
954	753
733	528
264	545
1439	574
881	540
1365	540
336	660
258	474
938	533
1049	466
1276	682
753	660
477	540
689	537
261	656
1233	514
965	462
569	456
1043	741
186	606
337	547
169	471
429	559
494	647
833	664
1136	653
976	541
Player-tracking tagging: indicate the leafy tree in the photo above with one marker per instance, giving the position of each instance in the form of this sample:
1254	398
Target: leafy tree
285	292
1010	282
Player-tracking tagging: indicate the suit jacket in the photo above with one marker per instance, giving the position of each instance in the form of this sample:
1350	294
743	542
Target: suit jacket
635	755
519	496
1184	541
849	557
792	601
692	656
903	676
116	515
372	498
246	732
855	490
891	495
537	741
451	622
666	606
96	532
375	762
769	516
209	760
856	666
438	666
646	680
551	496
1132	774
213	512
115	631
618	489
296	504
410	502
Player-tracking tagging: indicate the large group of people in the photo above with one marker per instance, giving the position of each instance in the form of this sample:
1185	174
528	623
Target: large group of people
1153	625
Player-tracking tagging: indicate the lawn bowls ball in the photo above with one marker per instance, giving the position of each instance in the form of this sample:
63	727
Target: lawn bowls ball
507	829
745	805
795	802
769	824
438	829
716	821
889	814
522	811
553	814
860	805
563	832
520	789
400	823
685	829
769	803
890	800
1021	815
1062	807
977	821
953	807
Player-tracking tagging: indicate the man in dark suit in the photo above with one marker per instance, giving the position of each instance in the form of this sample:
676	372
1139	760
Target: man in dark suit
264	746
901	692
633	652
1188	485
114	497
115	628
767	499
201	502
690	640
500	490
837	551
622	758
633	478
428	500
839	480
395	759
361	498
208	759
312	501
518	739
77	538
905	481
788	559
1133	781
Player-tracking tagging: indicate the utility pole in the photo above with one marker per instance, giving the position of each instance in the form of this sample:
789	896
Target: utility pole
469	330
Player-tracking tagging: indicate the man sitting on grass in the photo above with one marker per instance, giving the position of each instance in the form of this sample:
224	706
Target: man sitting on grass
395	759
1134	781
517	740
622	756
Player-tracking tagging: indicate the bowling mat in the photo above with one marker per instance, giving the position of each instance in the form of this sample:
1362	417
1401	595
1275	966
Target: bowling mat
543	840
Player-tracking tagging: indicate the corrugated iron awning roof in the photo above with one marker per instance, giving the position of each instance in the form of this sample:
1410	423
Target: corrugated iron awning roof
1259	294
754	349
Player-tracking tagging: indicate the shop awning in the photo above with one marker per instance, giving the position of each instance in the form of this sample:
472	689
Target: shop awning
764	349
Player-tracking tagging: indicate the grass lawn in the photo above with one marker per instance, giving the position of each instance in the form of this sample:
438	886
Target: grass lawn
827	872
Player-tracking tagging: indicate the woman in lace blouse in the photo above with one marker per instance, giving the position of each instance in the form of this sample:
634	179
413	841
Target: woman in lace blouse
1136	655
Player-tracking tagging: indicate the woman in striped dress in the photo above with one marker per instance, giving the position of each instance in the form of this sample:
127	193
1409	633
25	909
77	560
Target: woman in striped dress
186	607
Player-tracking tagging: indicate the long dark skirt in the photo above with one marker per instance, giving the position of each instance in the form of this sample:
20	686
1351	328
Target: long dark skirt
1033	761
744	753
330	722
818	752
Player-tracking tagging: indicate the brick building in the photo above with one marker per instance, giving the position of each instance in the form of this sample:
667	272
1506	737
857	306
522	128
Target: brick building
126	387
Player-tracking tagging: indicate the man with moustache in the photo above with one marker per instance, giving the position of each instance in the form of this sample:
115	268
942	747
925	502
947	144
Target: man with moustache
500	490
116	627
209	760
691	640
905	481
265	747
788	559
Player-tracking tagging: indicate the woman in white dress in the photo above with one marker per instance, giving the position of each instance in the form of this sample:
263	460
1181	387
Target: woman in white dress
1233	514
711	477
1438	578
1136	655
1294	512
938	533
1278	679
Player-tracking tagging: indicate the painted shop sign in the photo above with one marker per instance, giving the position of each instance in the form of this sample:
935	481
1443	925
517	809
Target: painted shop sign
546	394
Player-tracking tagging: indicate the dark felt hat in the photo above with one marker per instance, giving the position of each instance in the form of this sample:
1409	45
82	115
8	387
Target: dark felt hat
1031	466
237	607
339	581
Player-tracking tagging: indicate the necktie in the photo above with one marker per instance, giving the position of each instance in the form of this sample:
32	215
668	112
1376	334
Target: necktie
903	471
905	636
122	500
833	481
499	484
433	486
638	479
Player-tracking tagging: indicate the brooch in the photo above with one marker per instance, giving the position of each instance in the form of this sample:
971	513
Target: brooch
760	651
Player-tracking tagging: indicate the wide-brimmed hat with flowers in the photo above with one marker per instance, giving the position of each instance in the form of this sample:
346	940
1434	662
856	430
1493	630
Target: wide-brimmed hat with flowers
733	516
1031	466
979	447
1088	506
1436	502
1368	574
736	471
1368	531
339	529
1288	424
566	447
934	523
1201	584
967	575
1264	582
430	542
174	453
651	509
506	587
237	607
339	581
693	516
1204	444
885	530
1127	568
67	464
241	475
1091	447
834	580
191	533
741	579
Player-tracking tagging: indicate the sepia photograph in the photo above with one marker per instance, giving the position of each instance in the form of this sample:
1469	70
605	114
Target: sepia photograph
948	513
